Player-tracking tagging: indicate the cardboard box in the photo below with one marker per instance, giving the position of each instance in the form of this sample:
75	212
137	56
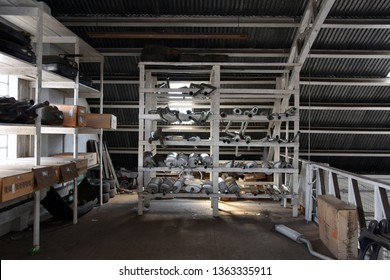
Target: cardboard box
15	183
91	158
72	114
338	226
44	177
65	171
106	121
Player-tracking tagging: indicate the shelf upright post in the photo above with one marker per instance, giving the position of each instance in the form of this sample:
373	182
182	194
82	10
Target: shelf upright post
101	131
150	104
141	137
76	132
37	138
295	161
215	80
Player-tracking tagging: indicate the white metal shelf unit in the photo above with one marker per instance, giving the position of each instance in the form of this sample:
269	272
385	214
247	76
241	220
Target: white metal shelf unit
279	97
45	29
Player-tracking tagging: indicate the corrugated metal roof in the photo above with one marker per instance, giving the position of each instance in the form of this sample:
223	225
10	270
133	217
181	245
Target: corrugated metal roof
267	38
363	165
178	7
344	94
353	119
360	8
353	39
347	142
346	67
121	92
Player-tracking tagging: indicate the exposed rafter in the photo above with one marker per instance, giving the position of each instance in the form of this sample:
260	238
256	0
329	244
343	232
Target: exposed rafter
222	21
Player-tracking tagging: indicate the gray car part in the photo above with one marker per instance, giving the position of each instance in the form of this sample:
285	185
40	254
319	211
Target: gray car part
193	160
171	160
154	185
205	160
167	185
182	160
149	159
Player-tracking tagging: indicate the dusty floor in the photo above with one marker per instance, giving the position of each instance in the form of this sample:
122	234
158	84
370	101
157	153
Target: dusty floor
172	229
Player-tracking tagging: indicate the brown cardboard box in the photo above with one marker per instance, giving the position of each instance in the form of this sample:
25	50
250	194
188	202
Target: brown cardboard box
66	171
91	157
338	226
44	177
107	121
72	114
15	183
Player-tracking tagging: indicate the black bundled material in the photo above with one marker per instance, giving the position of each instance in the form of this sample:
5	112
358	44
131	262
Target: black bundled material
59	208
25	112
22	52
10	34
51	115
60	64
16	43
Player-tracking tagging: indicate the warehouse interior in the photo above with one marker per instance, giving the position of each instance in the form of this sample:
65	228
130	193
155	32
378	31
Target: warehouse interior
314	73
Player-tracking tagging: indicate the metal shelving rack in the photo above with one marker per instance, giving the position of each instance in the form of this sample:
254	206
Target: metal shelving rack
280	97
45	29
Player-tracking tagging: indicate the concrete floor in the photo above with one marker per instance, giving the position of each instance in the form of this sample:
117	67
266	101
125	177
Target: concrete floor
172	229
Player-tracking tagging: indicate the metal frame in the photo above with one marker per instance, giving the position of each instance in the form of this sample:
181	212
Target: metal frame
46	29
151	97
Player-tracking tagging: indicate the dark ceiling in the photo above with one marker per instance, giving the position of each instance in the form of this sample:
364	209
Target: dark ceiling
345	91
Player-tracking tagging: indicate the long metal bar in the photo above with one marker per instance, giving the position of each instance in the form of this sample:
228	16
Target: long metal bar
359	205
385	202
224	21
37	145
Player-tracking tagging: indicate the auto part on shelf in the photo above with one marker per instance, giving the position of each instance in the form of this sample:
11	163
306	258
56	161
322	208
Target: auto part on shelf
240	135
149	159
167	114
199	118
282	164
286	189
194	139
289	112
205	160
174	137
232	186
267	164
166	185
203	89
374	239
193	160
171	160
251	164
156	135
207	187
182	160
222	187
193	188
225	140
179	183
299	238
154	185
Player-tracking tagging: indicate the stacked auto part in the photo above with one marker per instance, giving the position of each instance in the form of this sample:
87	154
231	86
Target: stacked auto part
173	116
26	112
167	185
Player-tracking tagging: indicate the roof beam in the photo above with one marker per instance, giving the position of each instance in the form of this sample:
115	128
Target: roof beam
222	21
344	154
306	35
317	53
343	131
344	81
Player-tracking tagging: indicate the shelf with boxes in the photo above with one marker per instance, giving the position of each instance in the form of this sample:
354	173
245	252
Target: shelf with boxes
190	112
53	60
